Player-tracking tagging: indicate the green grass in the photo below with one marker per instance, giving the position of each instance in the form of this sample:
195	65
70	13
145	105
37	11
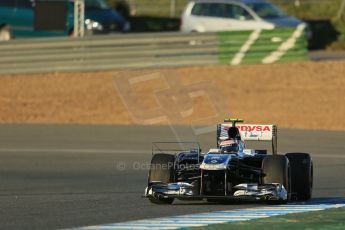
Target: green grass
316	220
326	10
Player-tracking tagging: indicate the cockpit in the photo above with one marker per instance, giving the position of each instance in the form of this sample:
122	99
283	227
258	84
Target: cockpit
230	149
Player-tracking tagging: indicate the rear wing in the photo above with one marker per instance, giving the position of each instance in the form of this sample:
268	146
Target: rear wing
250	132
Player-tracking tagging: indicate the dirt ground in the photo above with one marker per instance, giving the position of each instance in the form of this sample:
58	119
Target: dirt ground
305	95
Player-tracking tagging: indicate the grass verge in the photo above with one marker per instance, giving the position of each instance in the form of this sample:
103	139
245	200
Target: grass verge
326	219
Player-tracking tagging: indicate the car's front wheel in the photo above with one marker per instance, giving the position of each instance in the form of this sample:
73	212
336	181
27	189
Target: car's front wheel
162	170
301	175
276	169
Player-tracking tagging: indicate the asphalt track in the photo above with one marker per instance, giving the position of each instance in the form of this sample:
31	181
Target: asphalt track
63	176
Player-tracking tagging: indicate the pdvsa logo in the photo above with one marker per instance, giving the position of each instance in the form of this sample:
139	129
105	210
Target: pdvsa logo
251	128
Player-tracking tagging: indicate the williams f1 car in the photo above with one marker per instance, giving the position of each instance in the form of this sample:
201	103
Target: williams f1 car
230	171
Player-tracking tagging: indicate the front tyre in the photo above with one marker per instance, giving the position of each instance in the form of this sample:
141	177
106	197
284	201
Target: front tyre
162	169
276	169
301	175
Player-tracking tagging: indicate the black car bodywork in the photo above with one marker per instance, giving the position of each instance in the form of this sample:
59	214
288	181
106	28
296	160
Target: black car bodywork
247	175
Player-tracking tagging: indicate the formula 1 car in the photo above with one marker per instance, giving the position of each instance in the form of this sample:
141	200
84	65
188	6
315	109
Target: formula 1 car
230	171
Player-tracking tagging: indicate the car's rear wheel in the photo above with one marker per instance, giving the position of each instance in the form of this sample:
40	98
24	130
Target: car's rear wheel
301	175
276	169
162	170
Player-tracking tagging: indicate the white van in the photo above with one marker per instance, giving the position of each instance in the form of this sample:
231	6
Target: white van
234	15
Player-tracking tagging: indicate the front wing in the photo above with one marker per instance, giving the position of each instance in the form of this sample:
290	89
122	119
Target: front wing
182	190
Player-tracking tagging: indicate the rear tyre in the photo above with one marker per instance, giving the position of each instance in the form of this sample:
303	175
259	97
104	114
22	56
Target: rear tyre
277	170
301	175
162	169
5	33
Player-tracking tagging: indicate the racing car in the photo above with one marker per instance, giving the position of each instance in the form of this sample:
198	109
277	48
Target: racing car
230	171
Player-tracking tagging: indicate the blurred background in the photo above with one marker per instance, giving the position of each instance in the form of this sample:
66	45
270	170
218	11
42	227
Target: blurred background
326	18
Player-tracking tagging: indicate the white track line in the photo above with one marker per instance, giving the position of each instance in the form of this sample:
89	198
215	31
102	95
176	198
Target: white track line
217	217
57	150
285	46
118	151
254	36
